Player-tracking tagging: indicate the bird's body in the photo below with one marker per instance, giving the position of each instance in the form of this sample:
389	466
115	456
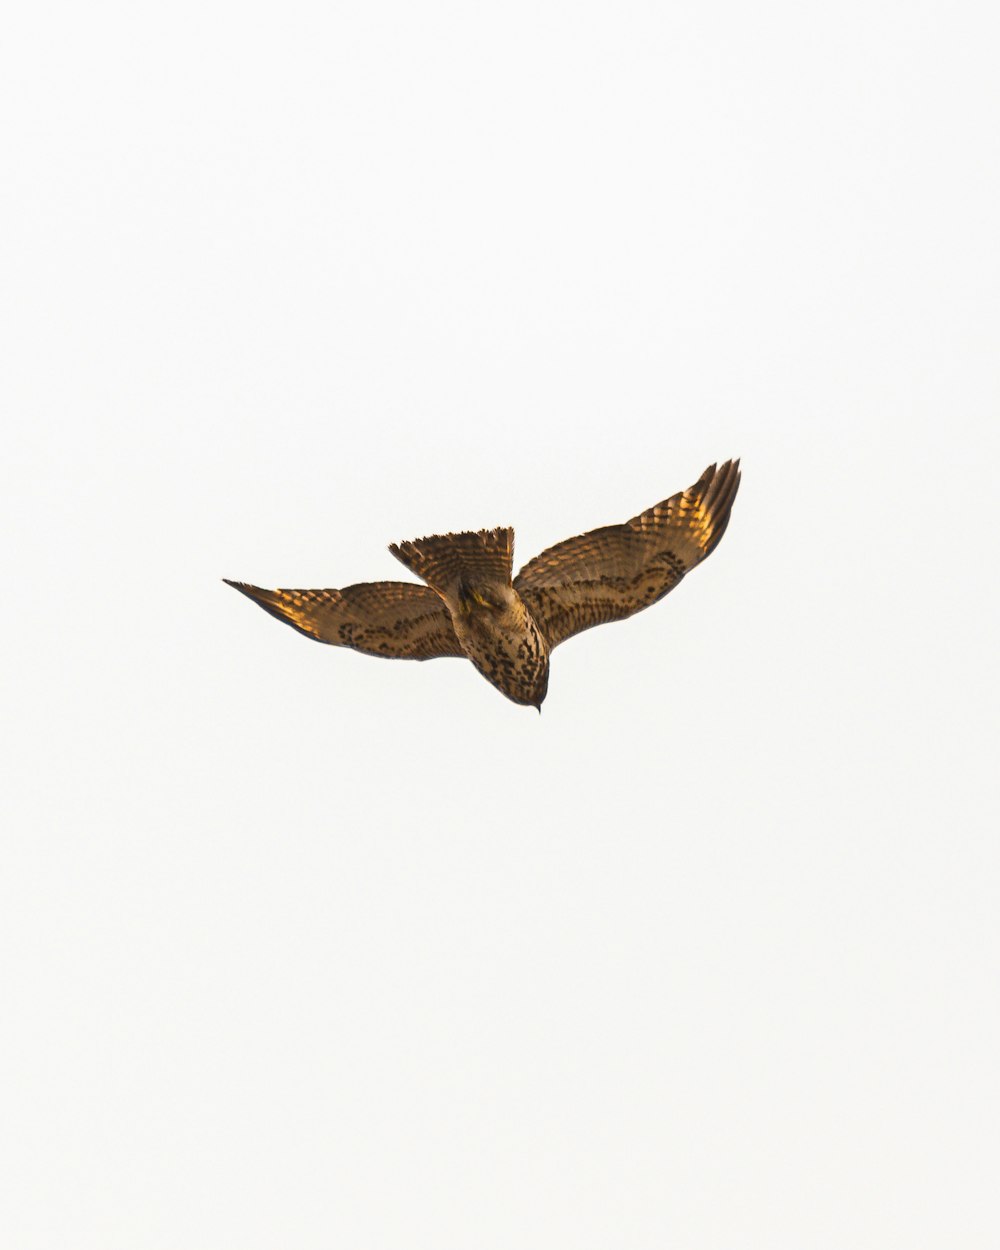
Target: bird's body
472	606
473	575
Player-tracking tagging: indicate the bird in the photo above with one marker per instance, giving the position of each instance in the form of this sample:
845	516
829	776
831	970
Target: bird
469	605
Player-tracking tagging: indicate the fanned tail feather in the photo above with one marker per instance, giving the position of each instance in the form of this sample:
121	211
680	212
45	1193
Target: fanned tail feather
447	561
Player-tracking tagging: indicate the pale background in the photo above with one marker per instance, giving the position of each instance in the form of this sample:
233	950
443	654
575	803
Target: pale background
300	948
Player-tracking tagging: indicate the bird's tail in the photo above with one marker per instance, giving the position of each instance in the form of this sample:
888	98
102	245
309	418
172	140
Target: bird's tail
448	561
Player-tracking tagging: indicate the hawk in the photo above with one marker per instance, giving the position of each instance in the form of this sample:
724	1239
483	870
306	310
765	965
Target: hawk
470	605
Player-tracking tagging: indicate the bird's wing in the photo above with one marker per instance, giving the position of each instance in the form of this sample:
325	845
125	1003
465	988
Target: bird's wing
396	619
614	572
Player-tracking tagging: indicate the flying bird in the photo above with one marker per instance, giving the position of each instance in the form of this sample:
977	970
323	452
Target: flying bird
470	606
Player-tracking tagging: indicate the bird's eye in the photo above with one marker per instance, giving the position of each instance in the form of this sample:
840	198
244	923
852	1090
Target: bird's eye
482	600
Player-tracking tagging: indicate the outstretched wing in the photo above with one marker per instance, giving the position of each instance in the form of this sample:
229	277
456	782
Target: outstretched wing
614	572
396	619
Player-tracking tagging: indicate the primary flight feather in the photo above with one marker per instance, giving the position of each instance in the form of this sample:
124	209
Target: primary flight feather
472	606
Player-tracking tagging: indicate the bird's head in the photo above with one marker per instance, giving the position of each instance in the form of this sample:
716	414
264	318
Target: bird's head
490	600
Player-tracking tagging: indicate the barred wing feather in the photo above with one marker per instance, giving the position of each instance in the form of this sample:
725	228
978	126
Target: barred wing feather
612	573
398	620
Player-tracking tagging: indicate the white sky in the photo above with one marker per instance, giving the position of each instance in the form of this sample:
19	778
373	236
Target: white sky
302	948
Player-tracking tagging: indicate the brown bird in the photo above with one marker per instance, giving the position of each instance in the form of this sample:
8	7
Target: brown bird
471	606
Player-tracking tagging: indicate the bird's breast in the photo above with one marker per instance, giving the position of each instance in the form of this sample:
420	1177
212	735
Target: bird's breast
510	653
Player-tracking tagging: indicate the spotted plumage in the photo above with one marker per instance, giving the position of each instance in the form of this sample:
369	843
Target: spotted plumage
471	606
